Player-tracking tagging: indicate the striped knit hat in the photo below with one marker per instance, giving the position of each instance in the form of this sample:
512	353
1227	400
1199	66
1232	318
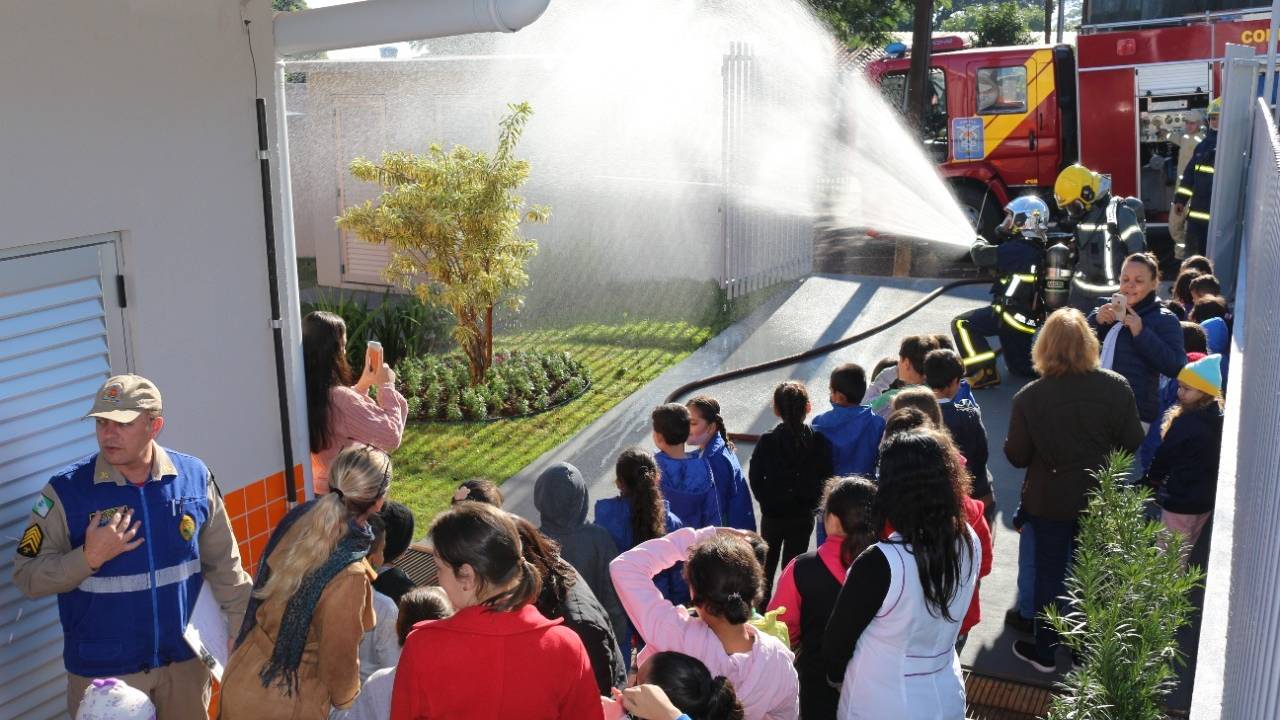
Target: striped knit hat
1204	375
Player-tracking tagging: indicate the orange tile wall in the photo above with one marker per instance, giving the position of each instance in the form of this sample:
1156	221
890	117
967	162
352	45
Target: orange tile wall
255	509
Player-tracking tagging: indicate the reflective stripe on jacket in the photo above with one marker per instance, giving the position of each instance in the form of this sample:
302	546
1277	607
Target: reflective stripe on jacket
130	615
1195	190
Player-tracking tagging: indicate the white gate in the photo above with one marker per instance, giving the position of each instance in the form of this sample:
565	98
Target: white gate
61	336
762	244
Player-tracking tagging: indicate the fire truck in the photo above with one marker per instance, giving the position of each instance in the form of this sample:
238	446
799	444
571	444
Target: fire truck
1005	120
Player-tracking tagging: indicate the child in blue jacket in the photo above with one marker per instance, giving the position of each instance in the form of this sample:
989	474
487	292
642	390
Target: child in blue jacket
687	483
637	514
707	432
853	429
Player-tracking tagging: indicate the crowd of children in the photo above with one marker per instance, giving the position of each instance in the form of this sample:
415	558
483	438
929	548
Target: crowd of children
651	607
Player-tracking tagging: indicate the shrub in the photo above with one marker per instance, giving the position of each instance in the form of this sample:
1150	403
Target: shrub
406	326
519	383
1129	598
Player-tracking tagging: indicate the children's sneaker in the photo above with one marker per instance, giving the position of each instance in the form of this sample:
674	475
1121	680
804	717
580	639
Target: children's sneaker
984	378
1025	650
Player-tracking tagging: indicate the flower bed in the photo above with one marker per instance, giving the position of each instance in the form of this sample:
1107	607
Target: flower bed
520	383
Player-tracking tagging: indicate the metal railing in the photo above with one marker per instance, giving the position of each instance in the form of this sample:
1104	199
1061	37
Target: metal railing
1237	661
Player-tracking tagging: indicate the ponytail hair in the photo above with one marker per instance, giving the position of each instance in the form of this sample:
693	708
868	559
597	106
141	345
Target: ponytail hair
725	579
486	539
690	687
791	402
639	481
358	478
851	500
709	410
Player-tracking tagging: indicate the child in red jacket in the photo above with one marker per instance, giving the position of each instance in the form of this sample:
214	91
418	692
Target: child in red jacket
534	668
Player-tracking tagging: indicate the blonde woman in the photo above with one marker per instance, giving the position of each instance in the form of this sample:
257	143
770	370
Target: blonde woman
1062	426
297	654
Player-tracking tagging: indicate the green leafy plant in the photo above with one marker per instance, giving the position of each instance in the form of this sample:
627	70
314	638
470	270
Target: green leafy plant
452	219
404	324
1129	596
518	383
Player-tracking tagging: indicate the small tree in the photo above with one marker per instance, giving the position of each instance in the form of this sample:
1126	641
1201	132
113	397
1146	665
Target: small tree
1000	24
452	220
1128	591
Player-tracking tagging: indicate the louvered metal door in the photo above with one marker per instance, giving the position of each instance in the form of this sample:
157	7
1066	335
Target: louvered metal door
61	336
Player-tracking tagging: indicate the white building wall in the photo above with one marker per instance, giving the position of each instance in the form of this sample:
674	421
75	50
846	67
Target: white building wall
137	117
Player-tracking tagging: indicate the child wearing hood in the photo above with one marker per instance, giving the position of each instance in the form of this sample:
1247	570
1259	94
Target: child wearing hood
687	482
560	495
708	434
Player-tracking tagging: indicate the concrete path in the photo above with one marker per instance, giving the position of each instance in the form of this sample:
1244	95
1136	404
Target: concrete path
819	310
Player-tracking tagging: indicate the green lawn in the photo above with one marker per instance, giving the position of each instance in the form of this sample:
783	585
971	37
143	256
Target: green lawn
435	457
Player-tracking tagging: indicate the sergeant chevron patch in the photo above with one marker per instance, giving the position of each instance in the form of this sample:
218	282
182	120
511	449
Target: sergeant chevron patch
32	539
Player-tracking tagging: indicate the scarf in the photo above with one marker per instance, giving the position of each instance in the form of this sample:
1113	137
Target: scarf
1109	345
1113	335
282	668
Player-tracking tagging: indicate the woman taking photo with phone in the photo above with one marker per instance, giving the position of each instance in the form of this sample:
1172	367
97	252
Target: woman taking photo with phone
341	413
1141	339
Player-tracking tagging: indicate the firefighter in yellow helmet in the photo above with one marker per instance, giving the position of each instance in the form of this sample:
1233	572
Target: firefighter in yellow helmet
1196	186
1107	230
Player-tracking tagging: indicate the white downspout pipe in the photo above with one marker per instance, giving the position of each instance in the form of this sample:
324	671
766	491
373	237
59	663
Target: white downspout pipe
379	22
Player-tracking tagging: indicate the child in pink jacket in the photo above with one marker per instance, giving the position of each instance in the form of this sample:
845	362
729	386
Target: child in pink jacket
725	581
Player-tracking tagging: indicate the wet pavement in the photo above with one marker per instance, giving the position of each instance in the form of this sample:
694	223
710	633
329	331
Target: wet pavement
819	310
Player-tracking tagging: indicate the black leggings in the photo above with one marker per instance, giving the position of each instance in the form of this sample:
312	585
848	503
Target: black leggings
787	536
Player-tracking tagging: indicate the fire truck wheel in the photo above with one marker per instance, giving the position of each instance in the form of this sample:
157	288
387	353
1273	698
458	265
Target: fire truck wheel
980	207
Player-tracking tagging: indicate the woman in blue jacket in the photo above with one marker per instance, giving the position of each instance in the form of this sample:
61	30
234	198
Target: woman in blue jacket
706	431
1141	339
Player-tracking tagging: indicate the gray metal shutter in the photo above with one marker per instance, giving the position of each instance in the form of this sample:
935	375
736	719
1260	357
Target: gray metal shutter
1173	78
58	336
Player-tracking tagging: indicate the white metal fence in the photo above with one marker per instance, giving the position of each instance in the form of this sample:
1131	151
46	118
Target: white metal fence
762	243
1238	660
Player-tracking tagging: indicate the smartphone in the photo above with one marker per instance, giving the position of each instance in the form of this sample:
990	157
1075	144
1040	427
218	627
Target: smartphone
373	353
1120	303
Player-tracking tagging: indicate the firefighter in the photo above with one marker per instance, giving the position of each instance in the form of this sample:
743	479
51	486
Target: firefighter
1192	134
1107	230
1196	186
1016	308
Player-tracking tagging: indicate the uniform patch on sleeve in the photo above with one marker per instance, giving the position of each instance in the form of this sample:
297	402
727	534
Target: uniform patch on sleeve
43	506
32	540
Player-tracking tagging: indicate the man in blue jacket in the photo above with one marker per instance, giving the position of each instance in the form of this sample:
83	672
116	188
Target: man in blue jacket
126	538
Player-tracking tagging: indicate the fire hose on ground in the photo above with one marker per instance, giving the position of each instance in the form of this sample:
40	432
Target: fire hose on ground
818	351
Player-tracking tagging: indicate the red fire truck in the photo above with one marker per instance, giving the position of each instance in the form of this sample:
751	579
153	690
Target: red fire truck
1006	120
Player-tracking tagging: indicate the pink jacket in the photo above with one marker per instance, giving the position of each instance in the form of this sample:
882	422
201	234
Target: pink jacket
764	679
356	418
787	596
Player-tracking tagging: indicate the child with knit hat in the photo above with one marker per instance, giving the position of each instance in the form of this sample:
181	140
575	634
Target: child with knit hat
112	699
1184	471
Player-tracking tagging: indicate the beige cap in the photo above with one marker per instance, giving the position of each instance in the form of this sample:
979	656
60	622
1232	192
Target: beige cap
124	397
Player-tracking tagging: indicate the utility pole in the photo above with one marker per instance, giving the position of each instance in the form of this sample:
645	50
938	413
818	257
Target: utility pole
918	89
1062	20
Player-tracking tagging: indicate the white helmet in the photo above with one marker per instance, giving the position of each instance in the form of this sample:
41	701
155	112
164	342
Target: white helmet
1028	215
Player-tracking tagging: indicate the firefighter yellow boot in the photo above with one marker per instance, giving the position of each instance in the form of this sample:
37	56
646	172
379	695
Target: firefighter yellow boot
984	378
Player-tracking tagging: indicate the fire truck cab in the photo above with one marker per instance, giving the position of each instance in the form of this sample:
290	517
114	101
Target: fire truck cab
996	126
1005	120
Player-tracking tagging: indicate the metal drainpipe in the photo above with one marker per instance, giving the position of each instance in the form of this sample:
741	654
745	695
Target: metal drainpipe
273	290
